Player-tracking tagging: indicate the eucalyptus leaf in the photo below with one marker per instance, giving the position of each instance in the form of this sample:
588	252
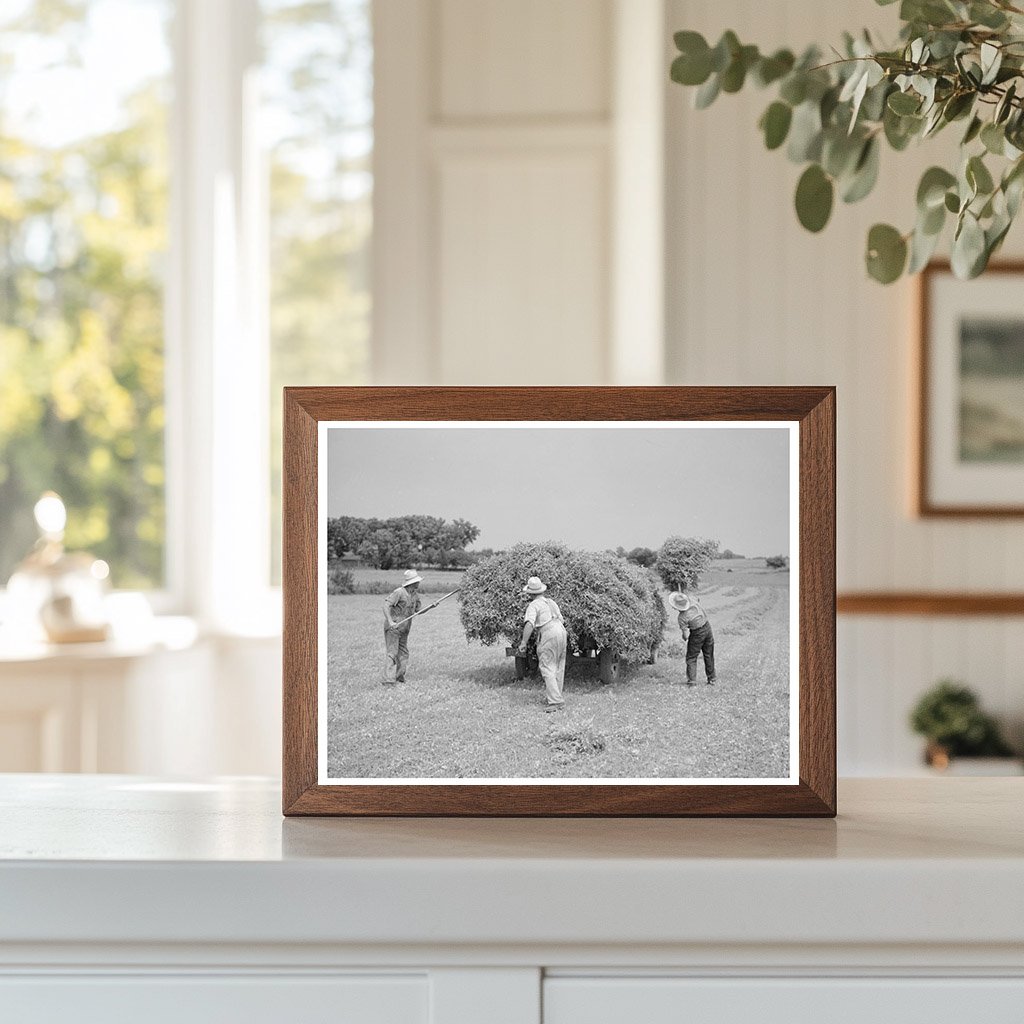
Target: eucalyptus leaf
991	61
794	88
707	93
1005	104
932	221
903	103
775	124
931	190
735	74
987	15
1014	192
873	106
886	253
1013	187
973	130
814	196
978	176
900	130
865	174
805	133
958	105
922	248
725	49
840	152
771	69
827	106
993	138
968	247
933	122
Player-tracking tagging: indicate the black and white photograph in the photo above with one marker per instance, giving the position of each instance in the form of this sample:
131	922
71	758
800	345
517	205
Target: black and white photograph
534	602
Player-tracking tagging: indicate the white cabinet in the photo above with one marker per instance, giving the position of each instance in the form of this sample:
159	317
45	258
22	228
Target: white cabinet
823	1000
216	1000
127	899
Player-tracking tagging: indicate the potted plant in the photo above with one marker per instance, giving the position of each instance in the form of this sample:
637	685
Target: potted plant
956	62
950	717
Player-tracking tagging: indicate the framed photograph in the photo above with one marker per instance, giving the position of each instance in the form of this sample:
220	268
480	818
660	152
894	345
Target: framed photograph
970	450
559	601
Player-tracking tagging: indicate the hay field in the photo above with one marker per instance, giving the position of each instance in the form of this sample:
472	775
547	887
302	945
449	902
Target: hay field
461	714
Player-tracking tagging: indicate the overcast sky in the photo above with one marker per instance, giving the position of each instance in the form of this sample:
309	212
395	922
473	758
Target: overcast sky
593	488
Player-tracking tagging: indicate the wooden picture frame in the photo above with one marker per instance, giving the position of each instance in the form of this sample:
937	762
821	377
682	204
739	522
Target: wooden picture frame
947	482
809	415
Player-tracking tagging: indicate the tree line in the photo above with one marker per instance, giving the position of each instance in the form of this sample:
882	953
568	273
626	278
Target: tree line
402	541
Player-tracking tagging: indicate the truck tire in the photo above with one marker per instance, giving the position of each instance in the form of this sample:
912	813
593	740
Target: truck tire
608	665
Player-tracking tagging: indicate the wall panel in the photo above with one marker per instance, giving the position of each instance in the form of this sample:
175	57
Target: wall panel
517	273
531	58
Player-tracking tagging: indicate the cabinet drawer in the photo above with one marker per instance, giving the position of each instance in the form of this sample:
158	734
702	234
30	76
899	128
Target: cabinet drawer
202	999
783	1000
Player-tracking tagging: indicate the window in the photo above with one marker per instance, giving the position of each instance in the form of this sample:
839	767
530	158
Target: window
83	237
167	264
317	116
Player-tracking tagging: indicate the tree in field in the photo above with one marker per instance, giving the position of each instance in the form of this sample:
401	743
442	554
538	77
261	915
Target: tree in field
777	562
644	557
682	561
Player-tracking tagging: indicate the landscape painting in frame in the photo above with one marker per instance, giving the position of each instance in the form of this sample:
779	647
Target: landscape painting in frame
602	603
972	431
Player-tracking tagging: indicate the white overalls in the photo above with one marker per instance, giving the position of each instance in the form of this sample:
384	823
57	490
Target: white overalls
546	618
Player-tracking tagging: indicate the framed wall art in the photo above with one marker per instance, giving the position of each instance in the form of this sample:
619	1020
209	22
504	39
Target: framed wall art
970	445
559	601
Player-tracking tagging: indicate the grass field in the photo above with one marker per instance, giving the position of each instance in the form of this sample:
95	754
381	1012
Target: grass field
461	714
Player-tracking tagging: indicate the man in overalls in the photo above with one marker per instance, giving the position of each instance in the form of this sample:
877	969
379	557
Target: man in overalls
544	617
696	630
398	605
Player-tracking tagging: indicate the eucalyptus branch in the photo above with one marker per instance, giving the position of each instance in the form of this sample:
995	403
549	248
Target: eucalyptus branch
833	118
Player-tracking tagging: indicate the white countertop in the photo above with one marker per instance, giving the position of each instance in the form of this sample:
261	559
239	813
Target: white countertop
121	859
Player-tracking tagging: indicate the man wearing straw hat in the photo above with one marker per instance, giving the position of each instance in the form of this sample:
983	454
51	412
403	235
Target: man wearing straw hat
696	630
398	605
544	617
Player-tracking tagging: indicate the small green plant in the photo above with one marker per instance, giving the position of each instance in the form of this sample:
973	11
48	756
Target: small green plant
956	61
950	717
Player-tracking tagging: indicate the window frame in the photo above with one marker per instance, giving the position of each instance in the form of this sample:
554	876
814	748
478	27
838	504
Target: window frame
217	350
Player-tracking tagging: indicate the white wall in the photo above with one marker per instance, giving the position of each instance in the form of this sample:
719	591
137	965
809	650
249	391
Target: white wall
754	299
